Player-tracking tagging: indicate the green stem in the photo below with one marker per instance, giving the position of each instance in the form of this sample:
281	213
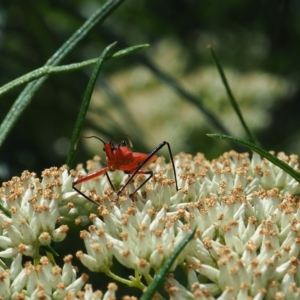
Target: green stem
3	265
233	101
47	70
132	283
148	278
85	104
51	257
5	211
25	97
50	251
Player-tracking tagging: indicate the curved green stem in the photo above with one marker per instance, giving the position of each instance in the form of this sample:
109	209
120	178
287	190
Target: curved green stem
5	211
233	102
148	278
3	265
85	104
47	70
25	97
132	283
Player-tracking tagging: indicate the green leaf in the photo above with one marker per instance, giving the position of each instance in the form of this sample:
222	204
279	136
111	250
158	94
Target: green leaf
85	104
48	70
50	252
128	50
272	158
25	97
233	102
160	276
5	211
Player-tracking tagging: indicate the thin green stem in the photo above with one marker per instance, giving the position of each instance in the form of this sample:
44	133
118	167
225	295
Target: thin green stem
50	250
148	278
232	99
48	70
5	211
132	283
51	257
85	104
36	261
25	97
3	265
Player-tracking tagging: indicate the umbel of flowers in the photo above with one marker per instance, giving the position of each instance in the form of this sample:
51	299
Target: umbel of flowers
246	245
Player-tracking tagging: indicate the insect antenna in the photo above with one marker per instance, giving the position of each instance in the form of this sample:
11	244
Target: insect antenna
87	137
126	136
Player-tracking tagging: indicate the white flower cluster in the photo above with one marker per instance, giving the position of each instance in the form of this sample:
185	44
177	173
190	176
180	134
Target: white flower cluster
248	238
40	282
32	211
29	212
246	245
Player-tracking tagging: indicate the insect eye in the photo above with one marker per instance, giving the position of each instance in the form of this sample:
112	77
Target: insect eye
112	146
123	144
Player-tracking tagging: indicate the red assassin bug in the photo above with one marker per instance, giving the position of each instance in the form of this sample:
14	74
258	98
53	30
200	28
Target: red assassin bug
120	157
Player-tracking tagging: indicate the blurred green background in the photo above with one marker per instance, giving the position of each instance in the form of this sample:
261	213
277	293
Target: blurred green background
169	91
257	43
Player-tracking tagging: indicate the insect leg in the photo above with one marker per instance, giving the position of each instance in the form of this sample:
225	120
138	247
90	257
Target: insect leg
89	177
110	182
85	196
147	160
148	172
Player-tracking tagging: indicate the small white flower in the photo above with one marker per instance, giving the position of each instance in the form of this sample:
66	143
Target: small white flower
45	238
77	284
20	281
5	284
16	266
177	291
9	253
68	272
60	233
89	261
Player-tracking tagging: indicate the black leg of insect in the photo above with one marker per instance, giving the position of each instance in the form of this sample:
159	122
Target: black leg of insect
140	170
